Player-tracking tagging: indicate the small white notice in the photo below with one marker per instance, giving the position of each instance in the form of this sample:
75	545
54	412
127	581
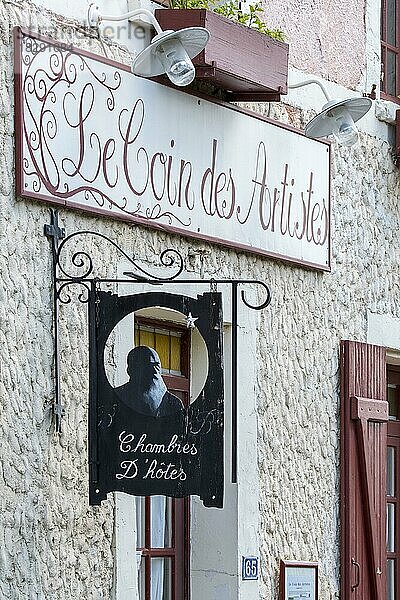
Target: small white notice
299	581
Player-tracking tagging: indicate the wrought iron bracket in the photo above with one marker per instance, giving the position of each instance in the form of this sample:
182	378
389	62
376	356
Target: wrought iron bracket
53	231
55	234
76	268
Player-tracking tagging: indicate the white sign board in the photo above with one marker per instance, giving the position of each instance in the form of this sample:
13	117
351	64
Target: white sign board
93	136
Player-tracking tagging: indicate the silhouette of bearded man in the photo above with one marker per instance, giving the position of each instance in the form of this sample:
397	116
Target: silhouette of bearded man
146	392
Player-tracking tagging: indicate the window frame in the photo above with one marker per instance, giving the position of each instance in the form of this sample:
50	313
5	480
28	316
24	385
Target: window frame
179	383
387	47
178	552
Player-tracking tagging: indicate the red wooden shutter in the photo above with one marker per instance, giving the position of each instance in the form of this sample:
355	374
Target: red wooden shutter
364	416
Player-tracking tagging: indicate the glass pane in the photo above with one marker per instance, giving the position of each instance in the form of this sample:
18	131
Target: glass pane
161	579
175	355
146	338
390	580
392	399
391	73
166	343
161	522
391	22
390	527
142	580
390	490
162	347
393	375
140	522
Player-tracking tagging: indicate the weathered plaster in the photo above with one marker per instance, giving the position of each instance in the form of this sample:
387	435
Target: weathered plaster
326	37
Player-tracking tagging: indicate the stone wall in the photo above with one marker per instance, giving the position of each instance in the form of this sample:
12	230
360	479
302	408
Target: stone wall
53	545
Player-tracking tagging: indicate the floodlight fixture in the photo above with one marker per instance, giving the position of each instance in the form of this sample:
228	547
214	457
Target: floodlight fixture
337	118
169	52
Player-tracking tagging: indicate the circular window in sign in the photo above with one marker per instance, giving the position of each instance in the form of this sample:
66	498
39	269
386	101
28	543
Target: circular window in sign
180	348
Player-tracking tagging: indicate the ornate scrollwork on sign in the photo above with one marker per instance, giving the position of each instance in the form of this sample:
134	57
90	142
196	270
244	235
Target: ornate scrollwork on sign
49	87
85	269
64	294
62	90
261	305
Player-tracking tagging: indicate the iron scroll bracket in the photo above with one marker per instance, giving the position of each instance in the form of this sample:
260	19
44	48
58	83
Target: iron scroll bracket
74	266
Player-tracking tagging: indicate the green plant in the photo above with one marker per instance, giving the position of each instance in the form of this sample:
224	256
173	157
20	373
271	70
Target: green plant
250	19
231	10
190	4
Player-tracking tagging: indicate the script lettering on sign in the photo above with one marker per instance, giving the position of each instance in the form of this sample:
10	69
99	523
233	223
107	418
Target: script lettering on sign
155	469
94	136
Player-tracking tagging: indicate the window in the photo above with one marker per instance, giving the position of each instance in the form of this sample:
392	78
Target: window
163	523
393	484
390	49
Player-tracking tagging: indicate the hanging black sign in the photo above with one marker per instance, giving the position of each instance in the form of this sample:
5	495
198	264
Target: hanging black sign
142	440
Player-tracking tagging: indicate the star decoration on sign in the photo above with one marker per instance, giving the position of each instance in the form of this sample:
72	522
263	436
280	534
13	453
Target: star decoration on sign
190	321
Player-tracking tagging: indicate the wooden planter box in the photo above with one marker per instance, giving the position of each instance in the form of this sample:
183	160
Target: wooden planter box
248	64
